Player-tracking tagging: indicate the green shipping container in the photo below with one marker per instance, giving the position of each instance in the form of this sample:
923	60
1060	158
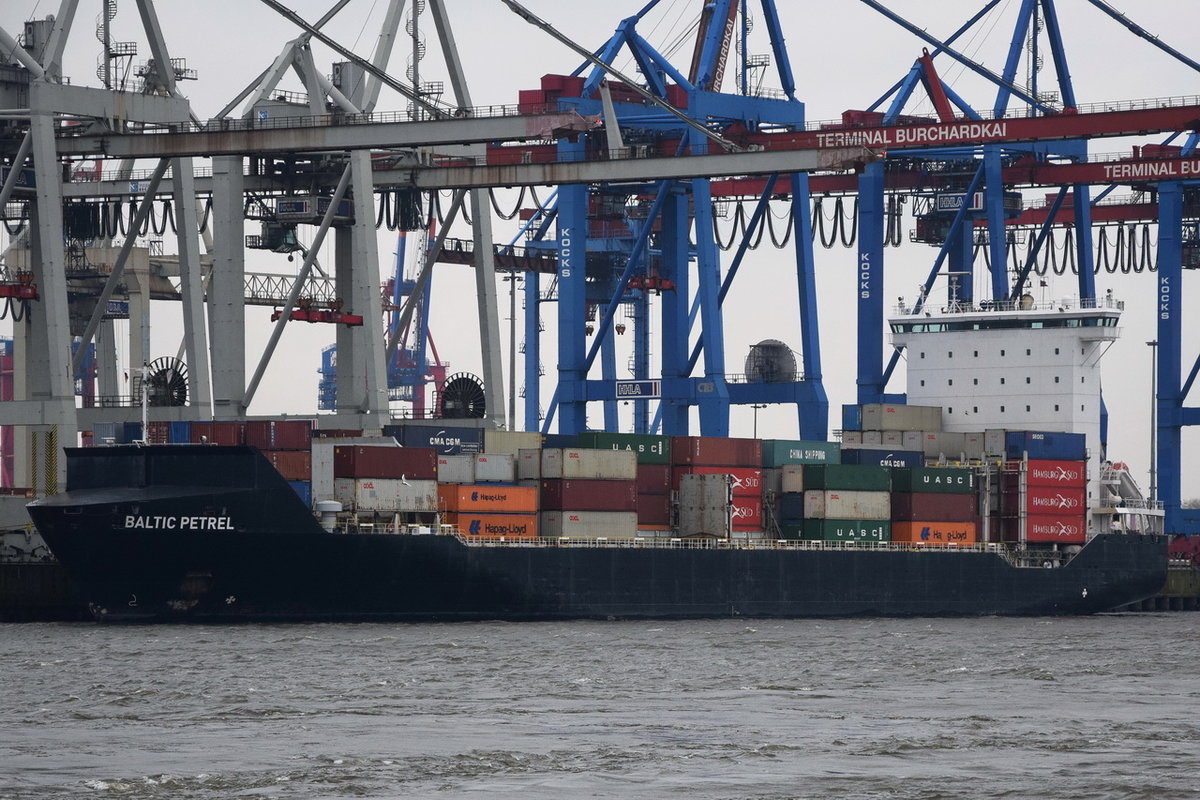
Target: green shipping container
648	449
847	476
841	530
780	452
941	480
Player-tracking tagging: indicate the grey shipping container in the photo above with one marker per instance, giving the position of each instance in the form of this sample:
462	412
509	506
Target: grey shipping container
456	469
893	417
845	504
577	462
589	524
495	468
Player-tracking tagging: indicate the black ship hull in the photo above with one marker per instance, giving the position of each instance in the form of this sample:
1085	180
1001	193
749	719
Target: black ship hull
213	534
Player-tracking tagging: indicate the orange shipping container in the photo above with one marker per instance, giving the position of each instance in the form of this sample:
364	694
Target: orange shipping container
493	526
935	532
488	498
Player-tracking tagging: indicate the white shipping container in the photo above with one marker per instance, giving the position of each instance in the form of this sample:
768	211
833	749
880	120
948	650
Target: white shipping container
495	468
973	445
588	524
893	439
872	437
386	495
511	442
913	440
943	443
844	504
322	469
851	437
890	417
456	469
994	440
529	464
792	478
584	464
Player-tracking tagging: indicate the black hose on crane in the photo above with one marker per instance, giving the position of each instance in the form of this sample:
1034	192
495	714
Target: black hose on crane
516	209
852	237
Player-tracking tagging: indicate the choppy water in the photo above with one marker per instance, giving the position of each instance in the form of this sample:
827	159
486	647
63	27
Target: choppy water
1099	707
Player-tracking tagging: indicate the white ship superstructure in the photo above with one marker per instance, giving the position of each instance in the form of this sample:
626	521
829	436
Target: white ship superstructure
1024	366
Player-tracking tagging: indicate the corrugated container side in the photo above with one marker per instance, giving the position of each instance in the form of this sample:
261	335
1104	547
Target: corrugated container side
181	433
892	417
222	433
713	451
322	469
944	443
851	437
447	440
893	439
589	524
882	457
560	440
649	449
747	513
293	465
841	530
456	468
791	506
105	433
778	452
495	468
654	478
1046	445
939	507
529	464
851	418
846	504
747	481
973	445
304	490
577	462
994	440
1060	528
511	442
1067	474
773	480
157	432
292	434
872	438
791	478
494	526
935	532
487	498
365	461
386	495
847	476
934	479
1046	500
588	495
653	509
913	440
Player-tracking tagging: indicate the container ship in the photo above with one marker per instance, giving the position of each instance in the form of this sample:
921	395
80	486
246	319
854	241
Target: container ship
919	509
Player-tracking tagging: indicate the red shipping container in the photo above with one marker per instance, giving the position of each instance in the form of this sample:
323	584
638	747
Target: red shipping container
747	513
653	478
588	495
747	481
1064	474
677	95
1046	500
1063	529
711	451
266	434
158	432
222	433
653	509
293	465
934	506
366	461
336	433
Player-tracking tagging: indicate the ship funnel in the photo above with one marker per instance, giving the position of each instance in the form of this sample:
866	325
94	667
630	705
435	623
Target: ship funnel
328	511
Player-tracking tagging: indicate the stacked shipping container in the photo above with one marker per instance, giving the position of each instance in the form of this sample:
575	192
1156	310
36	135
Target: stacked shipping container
739	458
588	493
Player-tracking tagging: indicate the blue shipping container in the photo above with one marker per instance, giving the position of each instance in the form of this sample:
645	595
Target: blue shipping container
1045	445
131	432
552	440
179	432
873	457
852	418
304	489
791	507
447	441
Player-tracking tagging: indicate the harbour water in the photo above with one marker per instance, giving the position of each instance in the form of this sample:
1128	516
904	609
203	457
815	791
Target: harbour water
1095	707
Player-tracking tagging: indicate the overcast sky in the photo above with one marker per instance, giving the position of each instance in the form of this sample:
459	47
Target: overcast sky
844	55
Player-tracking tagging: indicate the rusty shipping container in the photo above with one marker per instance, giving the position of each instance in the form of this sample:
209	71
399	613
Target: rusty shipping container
935	532
494	526
935	506
589	524
846	504
488	498
712	451
588	495
293	465
365	461
578	462
747	481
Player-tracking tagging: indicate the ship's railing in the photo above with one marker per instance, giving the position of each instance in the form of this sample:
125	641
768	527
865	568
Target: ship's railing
1063	304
